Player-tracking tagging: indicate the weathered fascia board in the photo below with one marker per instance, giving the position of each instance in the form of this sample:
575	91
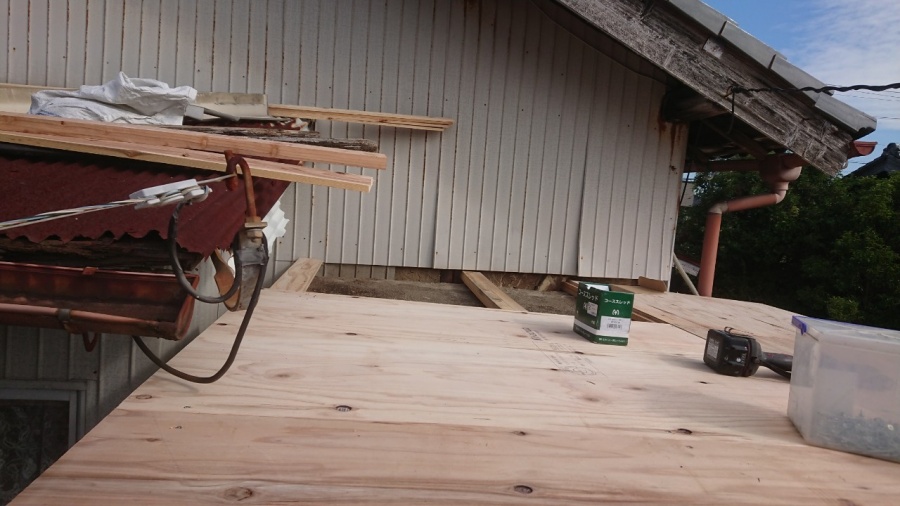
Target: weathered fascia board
676	46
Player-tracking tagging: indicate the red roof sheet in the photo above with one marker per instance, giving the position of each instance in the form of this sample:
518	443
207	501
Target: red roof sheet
30	186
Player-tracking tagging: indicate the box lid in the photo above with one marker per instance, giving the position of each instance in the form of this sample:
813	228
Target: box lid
849	334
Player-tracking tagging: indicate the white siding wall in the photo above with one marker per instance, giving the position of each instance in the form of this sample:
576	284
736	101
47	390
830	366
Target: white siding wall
557	163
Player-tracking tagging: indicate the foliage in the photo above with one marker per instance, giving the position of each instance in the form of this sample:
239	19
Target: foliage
831	249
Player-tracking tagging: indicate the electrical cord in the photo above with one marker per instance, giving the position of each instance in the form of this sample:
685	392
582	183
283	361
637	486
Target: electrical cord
179	272
254	299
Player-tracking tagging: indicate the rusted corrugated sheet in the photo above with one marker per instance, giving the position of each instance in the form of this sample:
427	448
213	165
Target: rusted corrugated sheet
34	185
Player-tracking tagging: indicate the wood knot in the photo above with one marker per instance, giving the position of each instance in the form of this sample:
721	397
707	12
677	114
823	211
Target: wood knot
238	493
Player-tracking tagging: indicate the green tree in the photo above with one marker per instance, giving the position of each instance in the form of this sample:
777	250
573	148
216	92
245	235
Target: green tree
831	249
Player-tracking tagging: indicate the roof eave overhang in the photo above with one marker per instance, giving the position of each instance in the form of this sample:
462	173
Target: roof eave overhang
706	52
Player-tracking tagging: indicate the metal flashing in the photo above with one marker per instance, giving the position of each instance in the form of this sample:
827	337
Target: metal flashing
708	17
748	44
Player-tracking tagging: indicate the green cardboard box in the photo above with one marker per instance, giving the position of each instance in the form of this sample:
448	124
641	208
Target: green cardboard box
602	315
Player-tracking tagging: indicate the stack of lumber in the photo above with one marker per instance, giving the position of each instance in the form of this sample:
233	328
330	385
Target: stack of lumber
373	118
270	159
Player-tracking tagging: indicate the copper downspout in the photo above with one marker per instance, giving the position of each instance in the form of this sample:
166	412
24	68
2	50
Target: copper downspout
778	171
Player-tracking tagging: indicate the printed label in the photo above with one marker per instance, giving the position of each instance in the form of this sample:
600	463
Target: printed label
712	348
612	326
591	308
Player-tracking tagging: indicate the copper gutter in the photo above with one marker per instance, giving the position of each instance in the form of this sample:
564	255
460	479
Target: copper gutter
91	300
778	171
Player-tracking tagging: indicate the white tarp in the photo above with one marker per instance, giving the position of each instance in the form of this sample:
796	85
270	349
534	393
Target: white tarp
122	100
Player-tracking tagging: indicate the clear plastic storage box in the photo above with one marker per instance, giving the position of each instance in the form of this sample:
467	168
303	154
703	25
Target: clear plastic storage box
845	387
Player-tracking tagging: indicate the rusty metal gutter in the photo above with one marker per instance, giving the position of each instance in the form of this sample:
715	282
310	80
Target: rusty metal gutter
89	300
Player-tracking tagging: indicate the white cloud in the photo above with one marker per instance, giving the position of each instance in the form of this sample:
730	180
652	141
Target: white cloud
845	42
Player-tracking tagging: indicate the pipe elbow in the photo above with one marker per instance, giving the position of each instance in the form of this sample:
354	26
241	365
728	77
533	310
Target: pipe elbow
719	208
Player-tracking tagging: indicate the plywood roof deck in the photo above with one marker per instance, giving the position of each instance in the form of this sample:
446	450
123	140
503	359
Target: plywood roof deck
453	405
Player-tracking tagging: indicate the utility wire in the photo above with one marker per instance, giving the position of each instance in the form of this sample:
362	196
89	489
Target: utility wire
824	89
75	211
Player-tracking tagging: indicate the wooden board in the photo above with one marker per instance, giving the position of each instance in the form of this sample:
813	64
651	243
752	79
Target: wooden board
488	293
376	118
451	405
298	276
146	135
771	326
192	158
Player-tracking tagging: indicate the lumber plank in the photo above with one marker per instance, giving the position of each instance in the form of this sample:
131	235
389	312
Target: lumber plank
154	136
488	293
350	116
657	285
192	158
451	405
570	287
298	276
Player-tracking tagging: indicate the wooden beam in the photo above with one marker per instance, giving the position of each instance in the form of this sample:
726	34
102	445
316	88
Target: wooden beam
675	45
684	106
289	136
192	158
488	293
657	285
741	139
350	116
298	276
153	136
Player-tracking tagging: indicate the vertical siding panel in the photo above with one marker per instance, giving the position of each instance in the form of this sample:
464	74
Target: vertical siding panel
300	88
186	41
341	34
420	53
404	193
553	173
148	36
127	42
480	182
627	199
5	51
76	52
372	72
387	102
521	159
624	93
494	188
239	41
290	85
314	200
418	247
17	63
598	178
324	245
57	35
24	363
276	51
535	174
169	28
464	139
448	20
356	25
435	36
94	54
37	41
113	27
221	56
204	44
256	48
54	355
648	146
581	142
509	50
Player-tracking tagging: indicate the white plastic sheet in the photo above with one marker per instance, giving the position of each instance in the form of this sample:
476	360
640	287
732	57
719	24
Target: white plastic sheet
122	100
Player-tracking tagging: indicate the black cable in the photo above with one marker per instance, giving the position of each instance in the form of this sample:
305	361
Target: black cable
179	272
254	299
824	89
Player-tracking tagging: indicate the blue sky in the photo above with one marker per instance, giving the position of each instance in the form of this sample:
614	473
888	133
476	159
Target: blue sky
841	42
